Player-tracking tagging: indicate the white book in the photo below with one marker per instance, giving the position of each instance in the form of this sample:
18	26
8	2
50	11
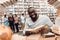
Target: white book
49	35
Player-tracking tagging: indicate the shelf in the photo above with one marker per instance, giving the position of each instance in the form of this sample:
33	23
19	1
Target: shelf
41	6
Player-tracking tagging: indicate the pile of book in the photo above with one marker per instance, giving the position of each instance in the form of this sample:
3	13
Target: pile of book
8	3
55	3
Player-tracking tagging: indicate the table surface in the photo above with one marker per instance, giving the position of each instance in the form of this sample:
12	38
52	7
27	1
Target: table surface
32	37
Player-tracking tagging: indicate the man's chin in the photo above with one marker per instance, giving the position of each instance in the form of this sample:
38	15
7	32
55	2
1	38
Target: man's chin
33	18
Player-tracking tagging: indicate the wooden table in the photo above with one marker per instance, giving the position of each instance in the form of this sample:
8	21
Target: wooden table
36	37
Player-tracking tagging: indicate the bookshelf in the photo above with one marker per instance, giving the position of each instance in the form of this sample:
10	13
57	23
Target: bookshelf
42	7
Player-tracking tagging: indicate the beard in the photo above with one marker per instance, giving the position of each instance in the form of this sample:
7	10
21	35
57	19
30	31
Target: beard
34	18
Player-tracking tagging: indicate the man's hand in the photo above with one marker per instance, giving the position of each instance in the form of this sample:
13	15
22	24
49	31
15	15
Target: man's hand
43	29
38	29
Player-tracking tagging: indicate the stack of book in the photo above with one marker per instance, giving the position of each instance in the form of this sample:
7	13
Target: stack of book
8	3
55	3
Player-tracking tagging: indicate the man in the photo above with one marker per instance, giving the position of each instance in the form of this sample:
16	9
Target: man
22	21
34	22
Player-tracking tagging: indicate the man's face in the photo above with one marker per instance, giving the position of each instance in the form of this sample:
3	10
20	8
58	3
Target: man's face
32	13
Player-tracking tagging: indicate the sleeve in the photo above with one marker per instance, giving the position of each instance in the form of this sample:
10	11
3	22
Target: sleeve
48	22
26	26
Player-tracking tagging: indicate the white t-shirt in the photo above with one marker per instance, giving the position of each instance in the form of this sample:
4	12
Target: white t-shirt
42	20
22	19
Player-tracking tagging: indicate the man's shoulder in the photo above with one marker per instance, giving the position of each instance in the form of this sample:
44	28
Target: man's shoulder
28	19
43	16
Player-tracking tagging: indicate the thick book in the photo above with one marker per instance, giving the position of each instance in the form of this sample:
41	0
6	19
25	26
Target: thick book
49	35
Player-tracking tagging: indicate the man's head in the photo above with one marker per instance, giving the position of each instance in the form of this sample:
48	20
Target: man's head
5	15
32	13
22	14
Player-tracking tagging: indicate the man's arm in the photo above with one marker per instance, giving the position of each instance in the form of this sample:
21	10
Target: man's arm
40	29
28	30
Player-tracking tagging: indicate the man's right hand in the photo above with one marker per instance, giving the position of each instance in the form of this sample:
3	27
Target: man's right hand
45	30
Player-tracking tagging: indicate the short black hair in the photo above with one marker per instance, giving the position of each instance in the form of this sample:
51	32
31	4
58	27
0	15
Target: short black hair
5	15
15	15
22	14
